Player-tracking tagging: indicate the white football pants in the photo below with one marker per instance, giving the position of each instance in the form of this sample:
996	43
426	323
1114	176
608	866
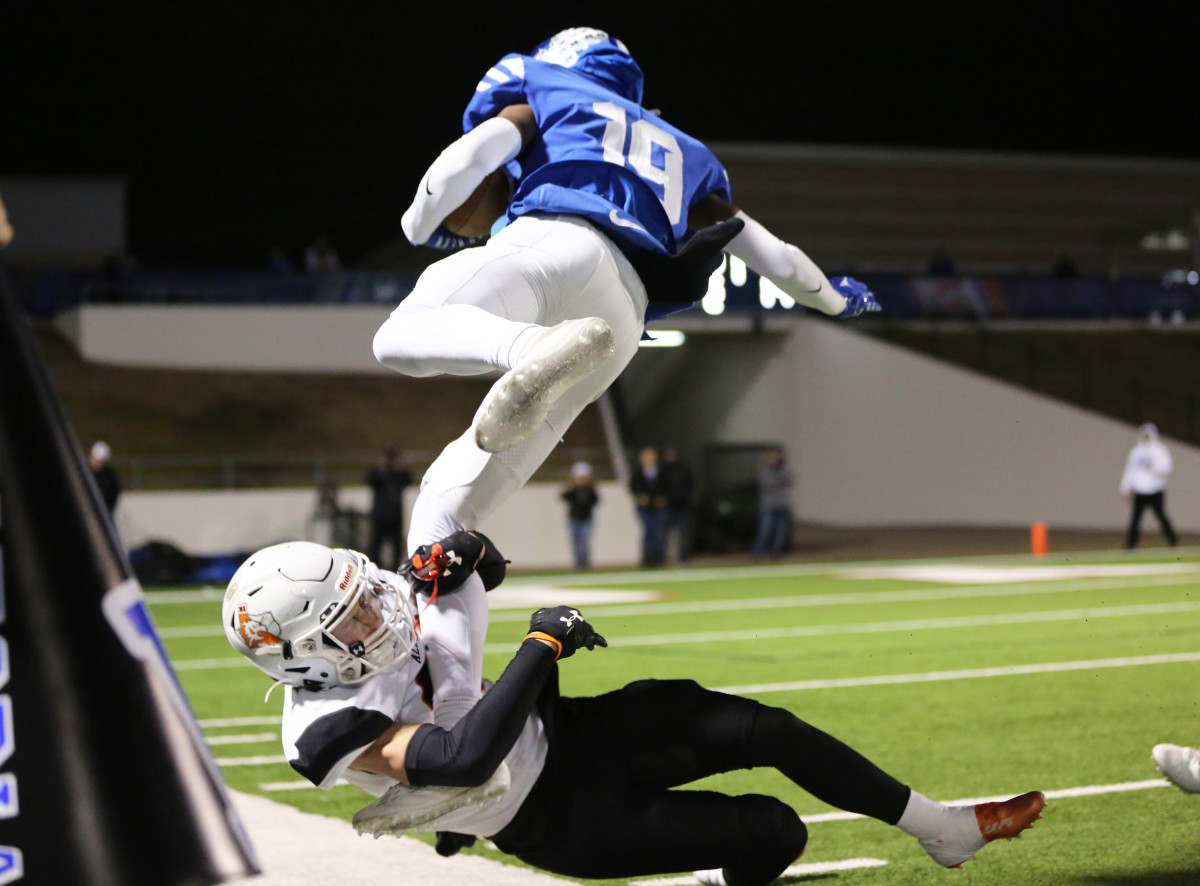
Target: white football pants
476	311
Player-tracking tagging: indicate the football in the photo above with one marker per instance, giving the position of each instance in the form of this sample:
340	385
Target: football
487	202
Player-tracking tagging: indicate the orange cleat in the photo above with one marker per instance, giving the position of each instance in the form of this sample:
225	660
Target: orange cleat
995	821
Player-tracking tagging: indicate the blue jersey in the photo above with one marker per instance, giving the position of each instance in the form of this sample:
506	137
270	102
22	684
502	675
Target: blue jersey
598	155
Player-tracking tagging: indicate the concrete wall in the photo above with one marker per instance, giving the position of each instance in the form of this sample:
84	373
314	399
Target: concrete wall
879	435
238	338
530	528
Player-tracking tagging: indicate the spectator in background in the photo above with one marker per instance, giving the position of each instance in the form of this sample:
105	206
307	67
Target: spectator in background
388	480
581	498
677	478
650	496
106	476
6	229
774	508
1145	478
321	257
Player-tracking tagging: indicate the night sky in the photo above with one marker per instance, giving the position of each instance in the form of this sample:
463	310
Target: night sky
242	126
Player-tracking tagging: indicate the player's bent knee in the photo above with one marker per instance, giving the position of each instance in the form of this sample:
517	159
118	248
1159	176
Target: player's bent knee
389	349
772	837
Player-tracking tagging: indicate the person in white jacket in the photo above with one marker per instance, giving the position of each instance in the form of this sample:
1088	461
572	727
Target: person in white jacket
1145	478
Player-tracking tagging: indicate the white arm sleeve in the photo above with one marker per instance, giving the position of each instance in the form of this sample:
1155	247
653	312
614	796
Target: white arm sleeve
453	631
457	172
785	266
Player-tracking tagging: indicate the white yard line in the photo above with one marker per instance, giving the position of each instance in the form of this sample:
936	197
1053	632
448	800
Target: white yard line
765	633
972	573
265	760
216	740
870	598
971	674
1023	587
781	570
220	722
796	870
924	624
790	570
1090	790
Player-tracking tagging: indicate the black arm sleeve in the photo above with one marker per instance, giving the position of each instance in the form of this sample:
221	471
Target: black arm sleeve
469	753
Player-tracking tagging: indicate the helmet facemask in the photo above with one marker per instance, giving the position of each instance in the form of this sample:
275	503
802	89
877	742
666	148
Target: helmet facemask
369	627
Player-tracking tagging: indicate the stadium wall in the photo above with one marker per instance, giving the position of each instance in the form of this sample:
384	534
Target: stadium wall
880	436
530	528
877	435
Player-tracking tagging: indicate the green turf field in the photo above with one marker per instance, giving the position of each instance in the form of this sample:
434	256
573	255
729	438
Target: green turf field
966	678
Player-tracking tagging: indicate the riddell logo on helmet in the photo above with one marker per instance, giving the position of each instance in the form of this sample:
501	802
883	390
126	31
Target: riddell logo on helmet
344	583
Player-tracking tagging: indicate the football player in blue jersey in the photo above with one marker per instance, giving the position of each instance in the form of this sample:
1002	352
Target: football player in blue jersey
616	216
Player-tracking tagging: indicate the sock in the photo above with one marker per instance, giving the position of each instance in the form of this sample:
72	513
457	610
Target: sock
932	822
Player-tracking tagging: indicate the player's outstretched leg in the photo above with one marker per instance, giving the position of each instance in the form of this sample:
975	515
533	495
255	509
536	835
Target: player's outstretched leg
519	402
953	834
1180	765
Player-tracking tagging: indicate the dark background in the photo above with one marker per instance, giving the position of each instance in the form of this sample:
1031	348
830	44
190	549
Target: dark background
243	126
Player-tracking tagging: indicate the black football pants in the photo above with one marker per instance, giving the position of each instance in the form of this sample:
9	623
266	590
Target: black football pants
603	805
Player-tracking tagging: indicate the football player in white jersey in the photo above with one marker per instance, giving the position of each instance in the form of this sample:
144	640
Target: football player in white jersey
585	787
616	216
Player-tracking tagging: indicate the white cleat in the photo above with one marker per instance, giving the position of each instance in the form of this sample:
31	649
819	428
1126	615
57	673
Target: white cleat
519	402
973	827
1180	765
715	877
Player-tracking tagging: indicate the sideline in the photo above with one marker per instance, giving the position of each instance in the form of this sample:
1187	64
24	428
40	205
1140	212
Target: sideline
299	847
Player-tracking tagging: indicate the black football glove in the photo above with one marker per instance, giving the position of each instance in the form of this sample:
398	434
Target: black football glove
445	565
682	278
567	627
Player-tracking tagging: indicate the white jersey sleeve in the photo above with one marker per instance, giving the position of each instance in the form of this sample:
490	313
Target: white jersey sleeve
453	631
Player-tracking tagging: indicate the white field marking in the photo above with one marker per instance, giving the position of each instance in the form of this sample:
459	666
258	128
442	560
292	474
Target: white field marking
972	674
185	631
789	570
264	760
204	595
877	597
526	597
877	627
207	664
243	739
1086	791
779	570
757	634
964	573
561	595
220	722
796	870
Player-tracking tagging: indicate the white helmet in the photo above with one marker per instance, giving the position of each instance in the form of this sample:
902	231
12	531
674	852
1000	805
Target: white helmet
317	617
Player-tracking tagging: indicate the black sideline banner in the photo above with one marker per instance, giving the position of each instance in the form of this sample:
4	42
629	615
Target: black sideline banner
105	779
